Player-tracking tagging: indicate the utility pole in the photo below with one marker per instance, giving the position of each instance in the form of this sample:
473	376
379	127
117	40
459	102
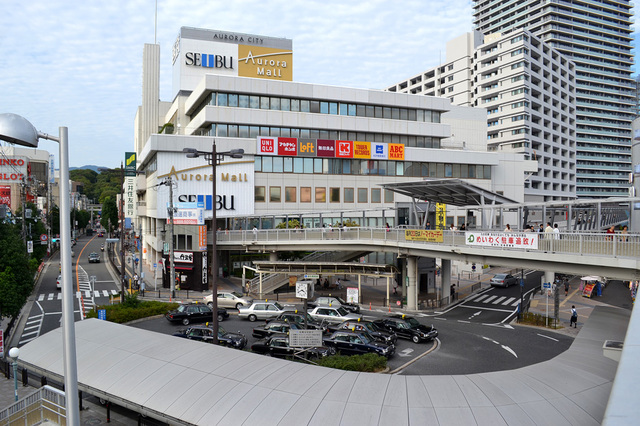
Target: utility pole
121	216
173	266
140	250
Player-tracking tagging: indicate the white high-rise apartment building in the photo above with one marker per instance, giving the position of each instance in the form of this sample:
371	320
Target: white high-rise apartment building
596	35
528	91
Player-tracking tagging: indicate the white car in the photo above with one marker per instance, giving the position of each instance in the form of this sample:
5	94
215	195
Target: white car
229	300
333	314
59	282
263	310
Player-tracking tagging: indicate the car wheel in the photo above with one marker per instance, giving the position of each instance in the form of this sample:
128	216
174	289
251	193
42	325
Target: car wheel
252	318
268	354
210	304
185	321
416	339
239	305
220	317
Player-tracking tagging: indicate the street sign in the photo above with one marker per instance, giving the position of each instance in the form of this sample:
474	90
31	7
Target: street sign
301	290
546	285
305	338
43	237
102	314
312	276
29	246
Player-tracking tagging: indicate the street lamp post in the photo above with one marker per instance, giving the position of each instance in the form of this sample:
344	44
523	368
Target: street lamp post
13	354
121	219
214	158
170	210
17	130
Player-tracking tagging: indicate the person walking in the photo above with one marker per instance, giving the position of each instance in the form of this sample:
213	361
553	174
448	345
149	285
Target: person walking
566	287
556	232
255	234
508	228
574	317
453	292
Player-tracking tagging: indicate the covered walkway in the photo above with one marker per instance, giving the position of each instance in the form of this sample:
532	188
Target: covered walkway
186	382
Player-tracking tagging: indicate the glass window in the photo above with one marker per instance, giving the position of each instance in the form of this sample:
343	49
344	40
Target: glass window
264	102
352	110
243	101
395	113
278	164
285	131
487	172
317	165
264	131
275	103
254	102
348	195
363	195
285	104
346	167
267	164
233	100
448	170
456	170
233	131
334	195
386	112
424	169
378	113
472	171
254	131
404	114
308	165
222	99
275	194
305	194
295	105
243	131
274	131
343	109
222	130
412	115
370	111
399	168
440	170
305	106
257	163
376	195
314	106
288	164
333	108
321	195
464	171
290	194
388	196
324	107
361	111
259	197
298	165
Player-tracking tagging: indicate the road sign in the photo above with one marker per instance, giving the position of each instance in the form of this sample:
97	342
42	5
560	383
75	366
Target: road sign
102	314
43	237
546	285
312	276
301	290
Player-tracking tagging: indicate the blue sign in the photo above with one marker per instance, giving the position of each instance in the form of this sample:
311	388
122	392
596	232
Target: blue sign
102	314
546	285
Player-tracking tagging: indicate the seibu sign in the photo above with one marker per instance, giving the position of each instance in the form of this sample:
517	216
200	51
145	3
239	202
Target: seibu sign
13	169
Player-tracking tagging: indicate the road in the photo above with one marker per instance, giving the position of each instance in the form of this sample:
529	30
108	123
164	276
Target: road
92	285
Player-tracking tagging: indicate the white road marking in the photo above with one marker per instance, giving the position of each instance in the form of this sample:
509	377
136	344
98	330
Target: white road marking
481	297
41	297
405	352
510	300
489	299
508	349
498	300
547	337
484	308
464	322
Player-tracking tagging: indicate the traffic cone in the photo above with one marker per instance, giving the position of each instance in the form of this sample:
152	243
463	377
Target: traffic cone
369	305
389	307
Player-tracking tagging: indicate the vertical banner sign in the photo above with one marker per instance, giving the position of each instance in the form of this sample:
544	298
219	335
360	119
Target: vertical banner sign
202	237
205	269
52	169
441	216
129	197
5	195
1	344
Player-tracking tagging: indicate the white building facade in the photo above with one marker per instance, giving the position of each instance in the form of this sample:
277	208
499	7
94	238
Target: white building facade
528	91
312	152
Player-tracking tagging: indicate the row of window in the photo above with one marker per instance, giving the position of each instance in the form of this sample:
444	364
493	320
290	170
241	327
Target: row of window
341	166
276	103
241	131
307	194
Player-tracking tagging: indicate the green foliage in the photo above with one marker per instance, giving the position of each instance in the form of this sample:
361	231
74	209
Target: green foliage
368	362
133	309
292	224
538	320
109	213
16	276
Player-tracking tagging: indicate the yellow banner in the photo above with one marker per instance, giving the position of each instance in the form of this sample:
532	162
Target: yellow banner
423	235
441	215
361	149
265	62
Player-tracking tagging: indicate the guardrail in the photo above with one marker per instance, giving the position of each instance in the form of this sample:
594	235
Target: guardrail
599	244
45	404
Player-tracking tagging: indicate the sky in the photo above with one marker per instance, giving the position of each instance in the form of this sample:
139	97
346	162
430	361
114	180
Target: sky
79	64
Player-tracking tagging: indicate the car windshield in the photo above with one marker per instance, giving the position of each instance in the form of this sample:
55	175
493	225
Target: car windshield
373	326
279	306
236	294
366	338
221	331
341	300
413	322
182	308
500	276
342	311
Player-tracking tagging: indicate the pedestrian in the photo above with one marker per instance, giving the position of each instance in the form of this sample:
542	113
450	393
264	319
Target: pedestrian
388	228
463	227
135	281
395	288
338	284
428	225
566	287
625	233
453	292
556	232
326	283
541	229
610	232
255	234
548	229
574	317
508	228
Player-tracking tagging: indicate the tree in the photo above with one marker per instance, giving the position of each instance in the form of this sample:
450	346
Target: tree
109	213
16	278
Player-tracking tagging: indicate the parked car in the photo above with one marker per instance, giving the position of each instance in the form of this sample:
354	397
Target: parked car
298	318
203	333
356	343
192	312
333	314
59	282
274	327
94	257
229	300
376	331
279	346
408	328
334	301
101	235
503	280
262	310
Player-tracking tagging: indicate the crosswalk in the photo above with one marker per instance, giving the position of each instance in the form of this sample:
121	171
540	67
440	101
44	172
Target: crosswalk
87	294
489	299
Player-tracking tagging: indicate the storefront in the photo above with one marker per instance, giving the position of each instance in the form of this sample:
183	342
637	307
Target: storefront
191	271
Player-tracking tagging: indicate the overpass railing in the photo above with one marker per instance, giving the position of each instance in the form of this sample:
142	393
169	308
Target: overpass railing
577	243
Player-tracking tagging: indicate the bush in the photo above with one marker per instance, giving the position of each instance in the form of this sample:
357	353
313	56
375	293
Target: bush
368	362
133	309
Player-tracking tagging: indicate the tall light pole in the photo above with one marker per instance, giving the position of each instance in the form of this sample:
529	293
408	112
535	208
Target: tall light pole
170	210
17	130
214	158
121	219
13	354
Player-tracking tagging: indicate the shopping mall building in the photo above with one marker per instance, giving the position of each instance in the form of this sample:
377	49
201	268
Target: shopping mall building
314	153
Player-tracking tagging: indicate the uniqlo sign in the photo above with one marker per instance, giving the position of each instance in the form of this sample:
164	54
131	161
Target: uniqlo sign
267	146
344	149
